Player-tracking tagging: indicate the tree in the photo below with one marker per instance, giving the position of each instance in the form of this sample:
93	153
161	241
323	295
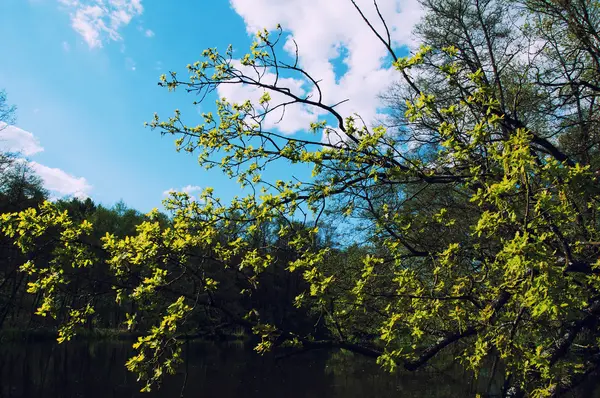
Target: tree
479	203
7	112
20	189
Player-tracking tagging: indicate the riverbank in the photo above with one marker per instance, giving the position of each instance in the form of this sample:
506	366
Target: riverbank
41	335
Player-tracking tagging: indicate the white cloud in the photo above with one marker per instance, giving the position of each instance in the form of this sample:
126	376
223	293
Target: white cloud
333	136
14	139
66	46
61	182
99	21
149	33
297	117
326	31
189	189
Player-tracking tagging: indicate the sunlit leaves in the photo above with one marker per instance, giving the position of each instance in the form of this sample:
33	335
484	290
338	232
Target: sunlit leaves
31	228
159	352
486	264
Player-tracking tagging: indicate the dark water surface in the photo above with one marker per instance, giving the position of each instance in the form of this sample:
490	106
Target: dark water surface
223	370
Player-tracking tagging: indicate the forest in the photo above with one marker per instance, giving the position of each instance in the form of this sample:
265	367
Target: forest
473	205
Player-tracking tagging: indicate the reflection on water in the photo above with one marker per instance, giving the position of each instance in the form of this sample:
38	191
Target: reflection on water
223	370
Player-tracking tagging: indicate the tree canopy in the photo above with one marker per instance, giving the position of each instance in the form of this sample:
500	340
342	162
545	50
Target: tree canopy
478	197
7	112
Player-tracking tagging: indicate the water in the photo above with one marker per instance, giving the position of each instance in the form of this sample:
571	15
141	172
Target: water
224	370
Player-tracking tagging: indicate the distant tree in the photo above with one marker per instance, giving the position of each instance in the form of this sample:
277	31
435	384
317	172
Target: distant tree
20	187
7	117
7	112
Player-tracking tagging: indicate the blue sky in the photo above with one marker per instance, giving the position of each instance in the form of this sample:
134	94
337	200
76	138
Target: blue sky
83	74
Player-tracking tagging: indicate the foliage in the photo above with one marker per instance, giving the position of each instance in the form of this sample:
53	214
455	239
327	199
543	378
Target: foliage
480	208
7	112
